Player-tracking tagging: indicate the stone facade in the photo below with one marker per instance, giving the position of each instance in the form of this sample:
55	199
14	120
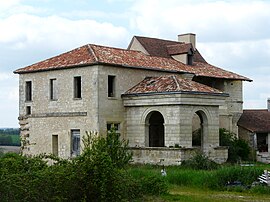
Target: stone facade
178	111
86	90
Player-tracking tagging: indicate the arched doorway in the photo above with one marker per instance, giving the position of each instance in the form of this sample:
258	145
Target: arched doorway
156	129
199	129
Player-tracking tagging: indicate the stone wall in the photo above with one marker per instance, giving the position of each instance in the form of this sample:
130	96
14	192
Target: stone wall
57	117
178	111
111	109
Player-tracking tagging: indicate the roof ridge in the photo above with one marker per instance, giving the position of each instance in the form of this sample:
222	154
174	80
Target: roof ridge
92	52
159	39
176	81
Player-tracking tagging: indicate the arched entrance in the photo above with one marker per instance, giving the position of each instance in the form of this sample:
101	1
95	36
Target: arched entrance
199	129
156	129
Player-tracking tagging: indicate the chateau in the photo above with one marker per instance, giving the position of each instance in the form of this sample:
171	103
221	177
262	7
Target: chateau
156	93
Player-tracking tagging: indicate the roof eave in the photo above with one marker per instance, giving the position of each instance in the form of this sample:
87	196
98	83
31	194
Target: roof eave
19	71
174	92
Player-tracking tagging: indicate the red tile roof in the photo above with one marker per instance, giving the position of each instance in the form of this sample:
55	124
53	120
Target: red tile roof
170	84
94	54
159	48
179	48
256	121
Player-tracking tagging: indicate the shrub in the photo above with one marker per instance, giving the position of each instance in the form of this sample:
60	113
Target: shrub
200	162
96	175
238	148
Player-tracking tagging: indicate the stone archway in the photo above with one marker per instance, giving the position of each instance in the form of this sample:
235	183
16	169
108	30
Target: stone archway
199	130
155	123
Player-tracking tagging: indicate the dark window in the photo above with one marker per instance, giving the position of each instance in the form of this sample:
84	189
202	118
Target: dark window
53	89
28	91
189	59
77	87
111	86
75	142
28	110
116	126
55	145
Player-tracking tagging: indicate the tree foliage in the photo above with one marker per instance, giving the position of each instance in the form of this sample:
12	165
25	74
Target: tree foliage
98	174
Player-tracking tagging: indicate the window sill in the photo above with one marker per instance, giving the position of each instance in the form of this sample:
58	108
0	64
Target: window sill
28	101
77	98
53	100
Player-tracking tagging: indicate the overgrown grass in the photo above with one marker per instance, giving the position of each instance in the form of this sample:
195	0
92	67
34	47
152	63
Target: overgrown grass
205	179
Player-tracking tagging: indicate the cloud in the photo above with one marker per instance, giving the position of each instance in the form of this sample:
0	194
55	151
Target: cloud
213	21
26	39
23	30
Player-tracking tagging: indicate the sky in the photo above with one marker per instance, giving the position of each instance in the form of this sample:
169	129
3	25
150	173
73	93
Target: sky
231	34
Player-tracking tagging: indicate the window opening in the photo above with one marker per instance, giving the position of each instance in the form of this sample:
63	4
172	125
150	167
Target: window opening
53	89
28	91
75	142
77	87
55	145
111	86
28	110
116	126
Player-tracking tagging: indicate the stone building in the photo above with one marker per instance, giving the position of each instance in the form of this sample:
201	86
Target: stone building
254	127
156	93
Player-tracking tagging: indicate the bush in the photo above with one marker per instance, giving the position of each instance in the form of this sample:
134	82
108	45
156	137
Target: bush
238	148
96	175
200	162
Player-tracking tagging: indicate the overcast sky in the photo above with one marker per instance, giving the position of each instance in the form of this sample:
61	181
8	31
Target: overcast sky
234	35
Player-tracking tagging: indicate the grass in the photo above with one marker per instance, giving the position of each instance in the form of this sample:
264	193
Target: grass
182	193
200	185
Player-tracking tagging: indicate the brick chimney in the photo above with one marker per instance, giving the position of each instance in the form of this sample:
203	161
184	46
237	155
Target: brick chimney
268	104
188	38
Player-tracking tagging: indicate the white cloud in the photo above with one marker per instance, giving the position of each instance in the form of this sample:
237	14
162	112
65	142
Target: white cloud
211	20
22	31
4	76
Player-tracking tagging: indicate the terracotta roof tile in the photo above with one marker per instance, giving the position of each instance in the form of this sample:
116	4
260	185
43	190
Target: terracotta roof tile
257	121
133	58
94	54
179	48
158	47
200	67
171	83
76	57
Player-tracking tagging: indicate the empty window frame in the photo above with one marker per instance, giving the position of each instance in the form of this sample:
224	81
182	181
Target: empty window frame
55	145
28	91
77	87
53	89
28	110
111	86
75	142
115	126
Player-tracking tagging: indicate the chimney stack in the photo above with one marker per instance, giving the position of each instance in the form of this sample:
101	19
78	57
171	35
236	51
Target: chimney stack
188	38
268	104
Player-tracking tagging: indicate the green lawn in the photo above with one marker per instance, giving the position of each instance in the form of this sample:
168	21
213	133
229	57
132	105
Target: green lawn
181	193
200	185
